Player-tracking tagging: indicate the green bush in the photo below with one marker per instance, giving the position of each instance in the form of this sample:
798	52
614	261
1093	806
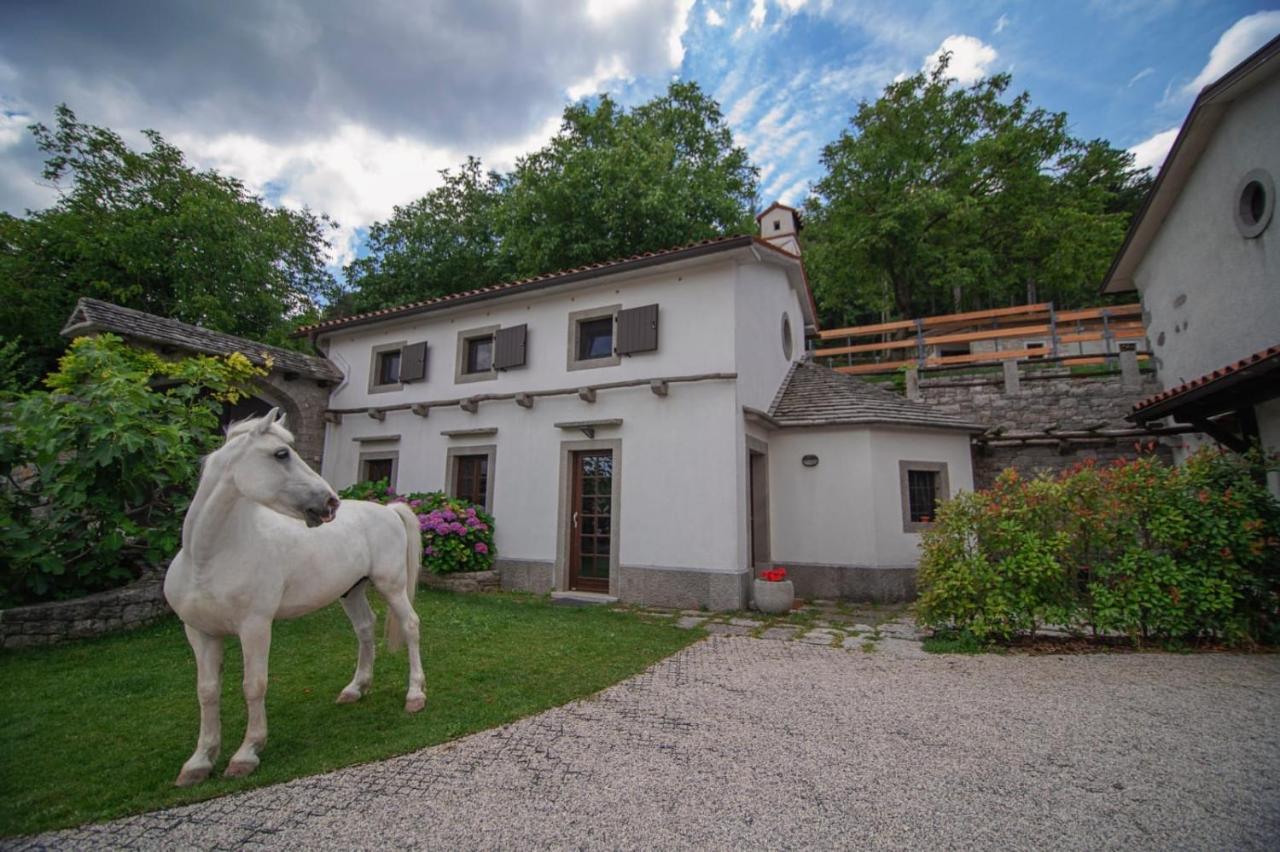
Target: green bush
1171	554
456	535
99	469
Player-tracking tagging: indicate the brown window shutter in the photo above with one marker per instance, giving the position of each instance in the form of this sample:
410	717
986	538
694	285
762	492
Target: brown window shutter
413	362
509	347
638	330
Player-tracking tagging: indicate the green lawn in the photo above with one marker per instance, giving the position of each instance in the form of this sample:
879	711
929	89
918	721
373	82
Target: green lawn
100	728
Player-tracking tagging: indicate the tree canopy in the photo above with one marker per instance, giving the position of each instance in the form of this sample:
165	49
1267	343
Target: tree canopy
941	197
611	183
146	230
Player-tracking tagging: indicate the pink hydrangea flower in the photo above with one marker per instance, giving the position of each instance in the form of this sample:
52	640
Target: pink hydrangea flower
481	547
449	515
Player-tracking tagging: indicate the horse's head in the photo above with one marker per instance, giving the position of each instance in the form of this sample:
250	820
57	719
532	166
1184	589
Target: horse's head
265	469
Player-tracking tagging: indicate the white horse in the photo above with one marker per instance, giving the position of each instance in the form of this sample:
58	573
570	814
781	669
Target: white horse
247	558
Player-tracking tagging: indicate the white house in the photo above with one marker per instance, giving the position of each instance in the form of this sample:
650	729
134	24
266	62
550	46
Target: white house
1204	253
647	428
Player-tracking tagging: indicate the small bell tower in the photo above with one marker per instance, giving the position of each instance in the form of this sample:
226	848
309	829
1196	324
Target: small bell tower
780	225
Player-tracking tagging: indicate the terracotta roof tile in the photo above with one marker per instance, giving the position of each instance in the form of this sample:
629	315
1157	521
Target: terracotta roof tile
1220	373
479	292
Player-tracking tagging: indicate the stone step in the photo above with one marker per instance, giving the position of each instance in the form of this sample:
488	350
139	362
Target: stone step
582	599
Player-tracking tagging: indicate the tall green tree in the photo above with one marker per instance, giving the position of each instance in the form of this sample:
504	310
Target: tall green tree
146	230
444	242
611	183
941	197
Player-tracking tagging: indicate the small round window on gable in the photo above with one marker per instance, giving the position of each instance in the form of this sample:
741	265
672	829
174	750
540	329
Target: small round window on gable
786	336
1255	203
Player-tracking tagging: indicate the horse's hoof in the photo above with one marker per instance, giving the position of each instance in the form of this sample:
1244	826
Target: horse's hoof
191	777
239	769
348	696
413	705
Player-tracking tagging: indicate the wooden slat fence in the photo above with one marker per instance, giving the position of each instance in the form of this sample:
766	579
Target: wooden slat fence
1107	325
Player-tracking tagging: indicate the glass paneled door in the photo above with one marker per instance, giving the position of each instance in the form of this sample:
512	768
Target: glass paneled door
591	521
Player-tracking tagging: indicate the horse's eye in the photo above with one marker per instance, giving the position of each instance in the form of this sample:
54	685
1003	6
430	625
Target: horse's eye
282	454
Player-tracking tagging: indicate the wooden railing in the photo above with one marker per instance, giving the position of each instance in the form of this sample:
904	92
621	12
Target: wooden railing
917	339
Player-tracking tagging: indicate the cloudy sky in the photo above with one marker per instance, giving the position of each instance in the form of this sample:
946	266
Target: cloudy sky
354	108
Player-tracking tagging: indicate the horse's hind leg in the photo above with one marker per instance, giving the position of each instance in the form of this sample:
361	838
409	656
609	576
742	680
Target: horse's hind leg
255	643
398	601
208	651
356	604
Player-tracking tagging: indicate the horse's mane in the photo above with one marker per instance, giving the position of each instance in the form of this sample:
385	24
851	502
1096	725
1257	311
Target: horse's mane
244	427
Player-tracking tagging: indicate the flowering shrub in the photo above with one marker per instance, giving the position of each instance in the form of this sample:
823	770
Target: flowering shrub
1174	554
456	536
774	575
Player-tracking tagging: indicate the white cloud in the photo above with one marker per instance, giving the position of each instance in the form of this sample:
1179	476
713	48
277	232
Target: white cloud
970	58
604	11
1241	39
790	7
356	174
1151	152
13	128
607	69
1001	24
743	106
675	35
714	18
1145	72
757	14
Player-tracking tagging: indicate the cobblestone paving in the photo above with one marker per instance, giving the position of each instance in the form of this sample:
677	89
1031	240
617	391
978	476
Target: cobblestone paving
853	627
738	743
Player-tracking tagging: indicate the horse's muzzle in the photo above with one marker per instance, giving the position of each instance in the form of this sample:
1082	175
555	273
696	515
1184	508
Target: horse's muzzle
316	517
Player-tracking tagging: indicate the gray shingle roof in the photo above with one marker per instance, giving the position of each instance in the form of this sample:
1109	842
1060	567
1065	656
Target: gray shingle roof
93	315
813	395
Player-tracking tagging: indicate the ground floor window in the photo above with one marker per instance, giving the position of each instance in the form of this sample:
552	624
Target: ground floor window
377	466
471	478
924	486
469	475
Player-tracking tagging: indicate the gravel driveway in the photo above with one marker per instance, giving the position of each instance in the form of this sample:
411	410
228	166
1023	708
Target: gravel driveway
742	743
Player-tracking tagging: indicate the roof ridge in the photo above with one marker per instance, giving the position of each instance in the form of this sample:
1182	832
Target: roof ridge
409	307
131	322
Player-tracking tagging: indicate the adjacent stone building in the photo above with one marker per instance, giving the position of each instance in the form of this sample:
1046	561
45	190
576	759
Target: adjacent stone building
298	384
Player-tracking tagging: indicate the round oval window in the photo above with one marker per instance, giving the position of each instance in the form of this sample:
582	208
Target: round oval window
1255	203
786	336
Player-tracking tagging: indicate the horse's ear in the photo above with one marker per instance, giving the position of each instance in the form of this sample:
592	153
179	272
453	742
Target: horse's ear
280	419
265	423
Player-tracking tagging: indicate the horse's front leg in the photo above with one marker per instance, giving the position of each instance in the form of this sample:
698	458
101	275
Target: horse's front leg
208	651
255	644
356	603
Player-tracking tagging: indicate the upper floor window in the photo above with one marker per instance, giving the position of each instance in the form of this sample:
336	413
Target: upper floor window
384	368
599	337
595	338
475	355
389	367
479	355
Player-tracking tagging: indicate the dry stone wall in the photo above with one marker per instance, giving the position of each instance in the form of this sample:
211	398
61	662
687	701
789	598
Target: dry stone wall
135	605
1039	400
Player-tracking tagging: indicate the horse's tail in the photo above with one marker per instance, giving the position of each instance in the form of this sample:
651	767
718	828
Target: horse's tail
413	562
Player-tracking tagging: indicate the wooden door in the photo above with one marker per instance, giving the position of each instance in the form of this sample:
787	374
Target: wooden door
758	506
591	521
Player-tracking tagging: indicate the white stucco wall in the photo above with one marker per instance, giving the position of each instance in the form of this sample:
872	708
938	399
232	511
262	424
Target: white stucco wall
695	335
761	297
1213	296
679	503
848	509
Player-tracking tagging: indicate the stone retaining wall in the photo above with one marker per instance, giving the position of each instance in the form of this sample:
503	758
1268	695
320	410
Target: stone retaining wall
465	581
1040	399
135	605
